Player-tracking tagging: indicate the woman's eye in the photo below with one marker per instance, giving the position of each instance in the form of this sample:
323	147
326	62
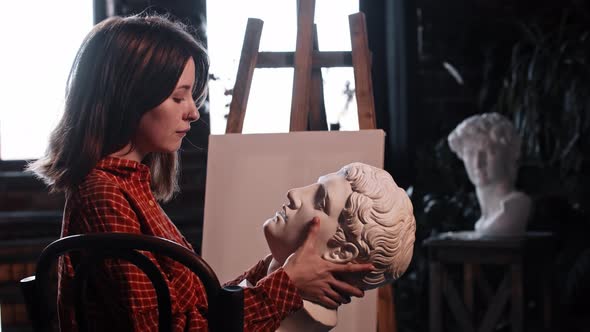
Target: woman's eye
177	100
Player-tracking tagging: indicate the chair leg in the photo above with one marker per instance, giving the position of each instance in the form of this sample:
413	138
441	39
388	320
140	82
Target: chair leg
27	287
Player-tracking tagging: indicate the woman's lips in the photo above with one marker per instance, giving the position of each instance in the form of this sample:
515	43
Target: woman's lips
182	132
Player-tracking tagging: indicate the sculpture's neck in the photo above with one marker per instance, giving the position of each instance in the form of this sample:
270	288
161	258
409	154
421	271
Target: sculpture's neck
273	266
311	318
490	197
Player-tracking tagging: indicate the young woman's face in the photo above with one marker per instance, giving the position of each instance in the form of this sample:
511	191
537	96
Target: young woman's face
288	228
162	128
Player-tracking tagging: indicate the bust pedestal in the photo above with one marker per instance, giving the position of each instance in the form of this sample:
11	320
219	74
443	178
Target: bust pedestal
471	251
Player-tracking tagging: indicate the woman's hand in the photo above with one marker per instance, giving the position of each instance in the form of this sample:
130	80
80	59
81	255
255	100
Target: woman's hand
314	276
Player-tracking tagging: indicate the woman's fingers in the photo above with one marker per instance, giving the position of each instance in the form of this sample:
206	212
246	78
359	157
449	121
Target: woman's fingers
335	296
351	268
312	234
315	277
346	288
328	302
347	272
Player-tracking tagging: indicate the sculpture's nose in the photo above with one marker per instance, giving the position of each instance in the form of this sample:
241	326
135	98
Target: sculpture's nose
294	197
481	159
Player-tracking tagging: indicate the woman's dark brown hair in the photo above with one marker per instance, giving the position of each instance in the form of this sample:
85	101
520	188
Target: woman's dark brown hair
124	68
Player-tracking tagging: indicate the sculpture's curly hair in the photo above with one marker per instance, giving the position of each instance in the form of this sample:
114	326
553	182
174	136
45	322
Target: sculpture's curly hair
492	128
379	221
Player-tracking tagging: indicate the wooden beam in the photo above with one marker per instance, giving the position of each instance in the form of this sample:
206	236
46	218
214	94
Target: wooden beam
496	306
319	59
317	109
248	59
361	61
457	307
302	75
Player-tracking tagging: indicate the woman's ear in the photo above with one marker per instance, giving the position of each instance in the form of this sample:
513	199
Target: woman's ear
341	255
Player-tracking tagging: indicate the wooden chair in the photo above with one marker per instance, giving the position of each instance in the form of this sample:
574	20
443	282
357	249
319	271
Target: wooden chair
225	305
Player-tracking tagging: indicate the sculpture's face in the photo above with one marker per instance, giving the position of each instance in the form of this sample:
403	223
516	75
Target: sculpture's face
288	228
485	164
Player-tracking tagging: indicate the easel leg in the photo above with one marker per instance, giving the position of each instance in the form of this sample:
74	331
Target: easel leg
386	320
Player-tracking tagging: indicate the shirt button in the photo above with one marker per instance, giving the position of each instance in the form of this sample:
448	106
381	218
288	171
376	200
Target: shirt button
151	203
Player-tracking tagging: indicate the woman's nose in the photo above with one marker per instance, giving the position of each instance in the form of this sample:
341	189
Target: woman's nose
193	113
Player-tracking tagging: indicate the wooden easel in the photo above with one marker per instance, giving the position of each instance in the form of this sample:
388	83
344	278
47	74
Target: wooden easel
307	104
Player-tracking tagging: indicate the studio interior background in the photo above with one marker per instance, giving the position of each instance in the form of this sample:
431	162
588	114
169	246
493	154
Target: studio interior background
434	63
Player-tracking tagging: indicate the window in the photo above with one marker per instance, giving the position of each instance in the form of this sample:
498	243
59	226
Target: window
40	39
269	103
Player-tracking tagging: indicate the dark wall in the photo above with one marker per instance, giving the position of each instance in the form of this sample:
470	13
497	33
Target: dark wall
391	33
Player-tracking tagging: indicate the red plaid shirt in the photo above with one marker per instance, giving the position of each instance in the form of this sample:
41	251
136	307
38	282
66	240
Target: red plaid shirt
116	197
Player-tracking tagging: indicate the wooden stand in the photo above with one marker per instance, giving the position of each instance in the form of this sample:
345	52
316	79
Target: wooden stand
509	253
307	105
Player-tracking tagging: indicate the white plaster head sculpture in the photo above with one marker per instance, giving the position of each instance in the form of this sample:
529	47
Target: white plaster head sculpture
364	218
489	146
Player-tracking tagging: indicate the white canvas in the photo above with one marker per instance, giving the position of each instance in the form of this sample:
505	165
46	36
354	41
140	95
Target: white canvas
247	179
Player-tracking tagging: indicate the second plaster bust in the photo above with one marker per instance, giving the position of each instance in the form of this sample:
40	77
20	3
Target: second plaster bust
364	218
489	146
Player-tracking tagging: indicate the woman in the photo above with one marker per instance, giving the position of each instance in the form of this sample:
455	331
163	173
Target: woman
134	88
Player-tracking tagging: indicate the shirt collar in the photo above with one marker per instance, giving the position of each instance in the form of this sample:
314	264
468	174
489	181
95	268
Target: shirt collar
124	167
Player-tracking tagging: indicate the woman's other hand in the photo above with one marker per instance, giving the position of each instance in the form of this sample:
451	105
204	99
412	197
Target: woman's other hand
314	276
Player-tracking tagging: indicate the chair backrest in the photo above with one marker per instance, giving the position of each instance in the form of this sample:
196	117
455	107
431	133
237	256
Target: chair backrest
225	305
